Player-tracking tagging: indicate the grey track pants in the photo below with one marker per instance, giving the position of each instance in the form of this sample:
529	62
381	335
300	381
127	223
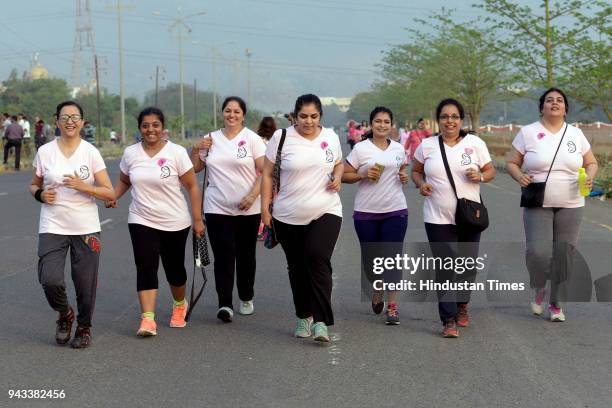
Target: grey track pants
84	259
552	236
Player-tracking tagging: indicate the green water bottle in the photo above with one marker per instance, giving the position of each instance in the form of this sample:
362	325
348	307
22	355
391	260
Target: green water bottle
582	182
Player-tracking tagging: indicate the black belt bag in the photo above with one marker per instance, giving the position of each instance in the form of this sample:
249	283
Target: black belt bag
470	215
532	196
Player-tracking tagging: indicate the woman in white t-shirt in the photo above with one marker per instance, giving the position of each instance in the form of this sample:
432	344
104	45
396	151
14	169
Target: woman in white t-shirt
234	158
560	217
381	213
159	219
307	211
69	175
470	164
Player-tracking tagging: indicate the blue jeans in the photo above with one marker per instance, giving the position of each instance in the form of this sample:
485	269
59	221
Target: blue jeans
387	232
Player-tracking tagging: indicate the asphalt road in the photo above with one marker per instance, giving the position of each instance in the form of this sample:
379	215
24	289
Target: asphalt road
507	358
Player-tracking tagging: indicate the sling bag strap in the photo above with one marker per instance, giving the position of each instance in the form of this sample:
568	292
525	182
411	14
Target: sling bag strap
555	156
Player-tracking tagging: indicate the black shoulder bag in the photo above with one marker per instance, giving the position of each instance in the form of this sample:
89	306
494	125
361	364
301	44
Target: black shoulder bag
469	215
269	234
200	255
532	196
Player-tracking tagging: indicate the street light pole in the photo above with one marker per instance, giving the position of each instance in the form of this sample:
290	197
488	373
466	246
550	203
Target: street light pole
179	22
121	71
248	53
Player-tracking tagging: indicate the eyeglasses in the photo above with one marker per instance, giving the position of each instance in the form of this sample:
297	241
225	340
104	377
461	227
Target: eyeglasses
446	118
66	118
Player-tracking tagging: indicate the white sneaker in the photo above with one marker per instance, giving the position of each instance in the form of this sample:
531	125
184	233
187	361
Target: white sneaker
246	308
537	307
556	314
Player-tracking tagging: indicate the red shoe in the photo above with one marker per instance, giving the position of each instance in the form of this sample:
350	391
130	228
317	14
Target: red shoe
462	316
450	330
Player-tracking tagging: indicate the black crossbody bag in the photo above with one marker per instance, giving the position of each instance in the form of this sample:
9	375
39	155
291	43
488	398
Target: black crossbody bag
532	196
470	215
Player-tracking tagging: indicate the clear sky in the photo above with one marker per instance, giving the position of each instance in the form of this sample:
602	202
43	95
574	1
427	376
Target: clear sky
327	47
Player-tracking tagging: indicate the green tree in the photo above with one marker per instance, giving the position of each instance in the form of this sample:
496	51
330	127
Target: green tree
453	62
535	42
33	97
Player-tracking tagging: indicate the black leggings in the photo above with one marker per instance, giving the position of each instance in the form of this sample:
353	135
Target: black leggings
233	239
309	249
149	244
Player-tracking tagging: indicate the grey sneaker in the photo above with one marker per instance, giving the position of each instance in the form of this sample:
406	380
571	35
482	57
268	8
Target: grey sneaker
320	332
392	315
303	329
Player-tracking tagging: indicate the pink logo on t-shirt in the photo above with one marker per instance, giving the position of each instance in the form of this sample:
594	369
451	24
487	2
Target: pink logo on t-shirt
161	162
324	145
541	135
469	150
241	143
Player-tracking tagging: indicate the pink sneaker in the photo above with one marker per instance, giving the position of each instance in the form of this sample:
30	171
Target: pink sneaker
556	314
148	327
178	315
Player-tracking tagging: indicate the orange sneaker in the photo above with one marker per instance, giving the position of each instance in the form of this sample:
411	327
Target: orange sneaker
148	327
462	316
178	315
450	330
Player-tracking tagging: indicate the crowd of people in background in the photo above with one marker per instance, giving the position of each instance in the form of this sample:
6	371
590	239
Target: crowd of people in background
288	180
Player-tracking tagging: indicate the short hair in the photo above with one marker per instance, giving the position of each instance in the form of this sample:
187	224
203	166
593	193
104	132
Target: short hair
62	105
267	127
151	110
553	89
236	99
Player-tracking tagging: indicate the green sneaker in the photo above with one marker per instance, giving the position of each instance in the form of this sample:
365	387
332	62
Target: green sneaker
320	332
303	329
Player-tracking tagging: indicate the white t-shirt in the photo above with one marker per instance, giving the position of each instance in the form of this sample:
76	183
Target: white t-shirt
157	200
306	166
538	146
386	195
25	125
73	213
470	152
232	172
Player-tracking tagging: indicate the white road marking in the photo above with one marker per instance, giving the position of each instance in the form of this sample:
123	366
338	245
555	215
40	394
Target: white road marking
3	193
106	221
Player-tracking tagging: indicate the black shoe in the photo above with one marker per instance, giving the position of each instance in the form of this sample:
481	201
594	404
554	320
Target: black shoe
225	314
63	329
82	338
378	303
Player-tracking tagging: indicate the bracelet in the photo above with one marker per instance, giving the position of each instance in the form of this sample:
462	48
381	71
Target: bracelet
482	178
93	194
38	194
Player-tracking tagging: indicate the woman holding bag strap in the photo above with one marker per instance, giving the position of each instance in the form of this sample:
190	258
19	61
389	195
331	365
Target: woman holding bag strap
234	158
470	165
552	152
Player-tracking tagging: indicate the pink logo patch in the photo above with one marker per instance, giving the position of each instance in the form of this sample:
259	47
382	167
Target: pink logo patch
161	162
241	143
324	145
541	136
469	150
